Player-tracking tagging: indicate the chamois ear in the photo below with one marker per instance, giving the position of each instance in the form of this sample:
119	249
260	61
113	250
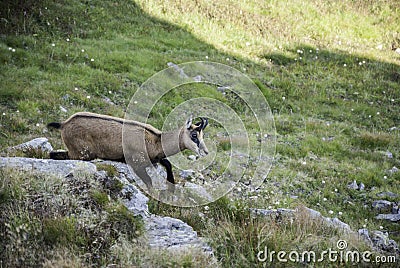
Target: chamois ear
189	122
203	123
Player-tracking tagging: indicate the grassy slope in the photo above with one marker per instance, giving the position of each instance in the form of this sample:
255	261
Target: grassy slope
326	68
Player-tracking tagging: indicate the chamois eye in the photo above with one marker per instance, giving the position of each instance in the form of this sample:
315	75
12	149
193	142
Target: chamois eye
194	135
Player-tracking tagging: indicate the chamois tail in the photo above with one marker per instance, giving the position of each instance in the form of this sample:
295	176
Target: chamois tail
54	125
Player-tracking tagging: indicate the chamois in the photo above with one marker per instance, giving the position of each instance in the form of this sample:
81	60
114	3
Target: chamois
88	136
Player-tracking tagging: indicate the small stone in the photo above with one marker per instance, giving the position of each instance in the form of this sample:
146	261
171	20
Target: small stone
382	243
63	109
362	187
192	157
381	204
198	78
390	217
393	170
395	209
387	194
353	185
363	233
186	173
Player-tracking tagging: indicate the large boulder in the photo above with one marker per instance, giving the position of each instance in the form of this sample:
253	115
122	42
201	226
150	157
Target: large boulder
161	232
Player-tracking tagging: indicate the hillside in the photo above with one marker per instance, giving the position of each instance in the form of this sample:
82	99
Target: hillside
330	71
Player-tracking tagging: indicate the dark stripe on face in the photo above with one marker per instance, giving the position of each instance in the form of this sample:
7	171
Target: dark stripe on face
194	136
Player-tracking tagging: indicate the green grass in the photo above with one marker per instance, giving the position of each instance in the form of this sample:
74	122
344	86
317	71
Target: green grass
327	69
42	215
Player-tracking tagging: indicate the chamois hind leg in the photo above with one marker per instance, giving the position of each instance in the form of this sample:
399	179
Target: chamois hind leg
59	155
142	174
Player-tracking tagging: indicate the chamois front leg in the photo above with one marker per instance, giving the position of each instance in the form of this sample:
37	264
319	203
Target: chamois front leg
168	167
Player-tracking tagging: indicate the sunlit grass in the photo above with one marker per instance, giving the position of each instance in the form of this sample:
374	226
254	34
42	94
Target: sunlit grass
327	68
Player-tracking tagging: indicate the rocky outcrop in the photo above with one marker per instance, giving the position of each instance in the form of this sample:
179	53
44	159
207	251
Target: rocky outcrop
41	144
161	232
377	240
334	222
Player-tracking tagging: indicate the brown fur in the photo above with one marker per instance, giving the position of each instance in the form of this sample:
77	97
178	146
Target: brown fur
89	136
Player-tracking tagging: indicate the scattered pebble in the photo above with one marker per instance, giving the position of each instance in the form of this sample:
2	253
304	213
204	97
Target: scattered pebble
63	109
362	187
353	185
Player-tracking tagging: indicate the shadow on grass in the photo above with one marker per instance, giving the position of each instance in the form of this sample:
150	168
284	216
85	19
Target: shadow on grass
335	85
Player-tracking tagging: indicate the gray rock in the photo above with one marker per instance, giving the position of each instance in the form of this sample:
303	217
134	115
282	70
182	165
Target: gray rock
161	232
178	69
382	243
382	204
64	110
393	170
314	213
272	212
186	174
108	100
387	194
37	144
353	185
390	217
192	157
335	222
364	234
198	191
170	233
395	209
389	155
198	78
379	241
47	166
223	89
361	187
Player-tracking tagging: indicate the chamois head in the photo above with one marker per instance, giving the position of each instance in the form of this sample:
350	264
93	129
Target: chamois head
192	136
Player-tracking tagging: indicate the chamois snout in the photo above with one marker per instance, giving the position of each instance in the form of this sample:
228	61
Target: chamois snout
193	136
